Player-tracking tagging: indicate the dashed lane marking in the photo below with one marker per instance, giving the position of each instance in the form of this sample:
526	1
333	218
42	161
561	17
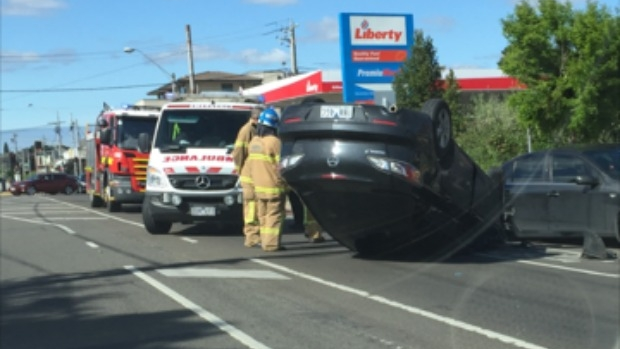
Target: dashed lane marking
224	326
222	273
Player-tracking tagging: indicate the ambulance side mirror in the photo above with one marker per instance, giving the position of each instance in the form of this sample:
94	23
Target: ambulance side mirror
144	143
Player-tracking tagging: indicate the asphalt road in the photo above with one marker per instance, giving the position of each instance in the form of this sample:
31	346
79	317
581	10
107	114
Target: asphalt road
76	277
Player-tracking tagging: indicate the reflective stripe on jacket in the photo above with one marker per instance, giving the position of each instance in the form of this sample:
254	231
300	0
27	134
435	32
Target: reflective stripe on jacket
240	150
262	167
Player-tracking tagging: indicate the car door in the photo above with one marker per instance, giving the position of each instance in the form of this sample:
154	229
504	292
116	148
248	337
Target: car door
526	187
44	183
569	202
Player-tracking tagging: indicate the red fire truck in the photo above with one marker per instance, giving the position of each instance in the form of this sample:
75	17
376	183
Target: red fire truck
115	166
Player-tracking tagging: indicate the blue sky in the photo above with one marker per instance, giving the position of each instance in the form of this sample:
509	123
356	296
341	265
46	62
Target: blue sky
61	59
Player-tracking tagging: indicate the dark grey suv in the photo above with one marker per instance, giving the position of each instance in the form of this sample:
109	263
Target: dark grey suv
381	180
561	193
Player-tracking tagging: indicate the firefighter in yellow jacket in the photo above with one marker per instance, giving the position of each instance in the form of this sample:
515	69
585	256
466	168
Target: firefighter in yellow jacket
240	155
262	166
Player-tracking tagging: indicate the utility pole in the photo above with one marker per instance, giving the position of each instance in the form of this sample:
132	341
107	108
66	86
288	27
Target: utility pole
17	170
58	130
293	46
190	60
77	169
288	38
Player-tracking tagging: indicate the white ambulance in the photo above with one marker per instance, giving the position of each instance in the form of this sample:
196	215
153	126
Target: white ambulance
191	175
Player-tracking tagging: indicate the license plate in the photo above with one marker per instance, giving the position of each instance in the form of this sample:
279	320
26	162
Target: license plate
336	112
202	211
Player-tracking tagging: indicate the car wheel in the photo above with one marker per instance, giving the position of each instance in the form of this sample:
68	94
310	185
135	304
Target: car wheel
441	118
31	191
68	190
153	226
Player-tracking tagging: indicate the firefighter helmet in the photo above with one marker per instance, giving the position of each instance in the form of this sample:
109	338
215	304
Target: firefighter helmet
269	118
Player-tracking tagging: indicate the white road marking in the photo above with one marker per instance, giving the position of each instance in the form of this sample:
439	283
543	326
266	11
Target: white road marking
553	266
222	273
48	218
16	211
574	270
417	311
99	213
92	244
234	332
191	241
36	221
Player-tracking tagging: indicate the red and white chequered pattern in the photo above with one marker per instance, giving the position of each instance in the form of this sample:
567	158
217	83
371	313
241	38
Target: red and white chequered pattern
200	169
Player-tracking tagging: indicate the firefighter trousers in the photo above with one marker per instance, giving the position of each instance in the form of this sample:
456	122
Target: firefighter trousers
250	217
271	213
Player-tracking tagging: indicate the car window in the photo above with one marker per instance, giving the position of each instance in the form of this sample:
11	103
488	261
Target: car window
607	160
567	167
529	169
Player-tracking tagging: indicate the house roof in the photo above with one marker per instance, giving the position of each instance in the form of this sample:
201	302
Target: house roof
222	76
209	76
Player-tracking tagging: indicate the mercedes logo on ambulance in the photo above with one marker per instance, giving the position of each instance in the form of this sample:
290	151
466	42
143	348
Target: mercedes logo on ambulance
202	182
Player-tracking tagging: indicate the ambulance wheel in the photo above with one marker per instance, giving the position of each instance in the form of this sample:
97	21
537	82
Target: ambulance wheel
152	225
441	118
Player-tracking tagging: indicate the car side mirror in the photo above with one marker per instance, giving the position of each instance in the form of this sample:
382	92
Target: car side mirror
586	180
144	143
106	136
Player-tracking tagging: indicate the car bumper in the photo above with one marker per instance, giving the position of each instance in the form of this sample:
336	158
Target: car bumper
217	210
15	191
129	198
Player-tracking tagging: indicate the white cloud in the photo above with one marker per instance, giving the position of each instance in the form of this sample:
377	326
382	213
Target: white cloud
272	2
204	52
253	56
30	7
438	23
12	61
327	29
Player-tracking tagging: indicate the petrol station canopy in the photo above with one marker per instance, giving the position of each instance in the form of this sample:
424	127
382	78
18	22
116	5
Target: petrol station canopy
327	84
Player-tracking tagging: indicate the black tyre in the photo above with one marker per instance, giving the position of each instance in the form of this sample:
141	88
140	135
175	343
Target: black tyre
153	226
441	117
68	190
95	201
31	191
114	206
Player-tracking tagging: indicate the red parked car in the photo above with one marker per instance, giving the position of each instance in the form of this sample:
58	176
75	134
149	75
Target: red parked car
50	183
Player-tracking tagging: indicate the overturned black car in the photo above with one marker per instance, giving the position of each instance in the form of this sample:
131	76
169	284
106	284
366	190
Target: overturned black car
382	180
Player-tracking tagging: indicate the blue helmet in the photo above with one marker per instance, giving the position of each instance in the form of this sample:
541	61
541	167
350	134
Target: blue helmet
269	118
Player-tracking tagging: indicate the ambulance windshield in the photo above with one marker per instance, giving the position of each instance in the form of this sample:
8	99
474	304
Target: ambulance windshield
199	128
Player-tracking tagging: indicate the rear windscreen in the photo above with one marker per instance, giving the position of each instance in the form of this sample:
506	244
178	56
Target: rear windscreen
200	128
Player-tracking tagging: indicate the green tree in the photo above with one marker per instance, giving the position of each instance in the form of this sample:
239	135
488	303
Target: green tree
6	149
493	134
418	79
569	62
451	96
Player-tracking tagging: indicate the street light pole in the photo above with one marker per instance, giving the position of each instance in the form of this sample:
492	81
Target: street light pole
172	76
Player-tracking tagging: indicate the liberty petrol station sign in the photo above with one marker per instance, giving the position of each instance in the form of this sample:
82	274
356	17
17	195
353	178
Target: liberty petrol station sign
373	48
